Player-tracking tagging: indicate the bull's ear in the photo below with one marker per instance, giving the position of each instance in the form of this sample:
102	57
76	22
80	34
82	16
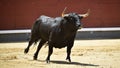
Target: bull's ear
80	17
66	17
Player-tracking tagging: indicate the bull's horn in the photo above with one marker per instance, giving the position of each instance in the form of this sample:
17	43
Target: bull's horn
63	13
86	14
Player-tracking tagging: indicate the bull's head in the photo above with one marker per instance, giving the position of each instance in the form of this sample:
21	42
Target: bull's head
75	18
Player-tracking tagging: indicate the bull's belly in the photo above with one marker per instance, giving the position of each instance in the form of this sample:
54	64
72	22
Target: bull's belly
60	45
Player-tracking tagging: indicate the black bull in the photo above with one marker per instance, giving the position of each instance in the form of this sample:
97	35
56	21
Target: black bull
58	32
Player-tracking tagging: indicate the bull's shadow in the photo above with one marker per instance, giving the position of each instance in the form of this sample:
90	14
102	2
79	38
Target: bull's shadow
72	63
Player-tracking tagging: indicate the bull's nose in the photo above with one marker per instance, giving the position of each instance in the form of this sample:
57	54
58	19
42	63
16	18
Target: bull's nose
78	25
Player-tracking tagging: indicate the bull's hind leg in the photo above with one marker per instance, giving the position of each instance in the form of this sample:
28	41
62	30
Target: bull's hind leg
33	39
39	47
27	49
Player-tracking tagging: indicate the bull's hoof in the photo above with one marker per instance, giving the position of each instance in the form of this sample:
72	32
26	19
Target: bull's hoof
34	58
26	50
69	60
47	61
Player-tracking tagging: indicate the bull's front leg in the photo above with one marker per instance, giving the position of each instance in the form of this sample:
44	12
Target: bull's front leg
68	53
69	47
50	51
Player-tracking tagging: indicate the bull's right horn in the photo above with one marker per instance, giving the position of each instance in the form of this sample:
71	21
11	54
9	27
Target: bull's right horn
63	13
86	14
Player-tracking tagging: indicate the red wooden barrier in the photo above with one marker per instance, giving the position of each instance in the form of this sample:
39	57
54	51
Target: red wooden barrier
21	14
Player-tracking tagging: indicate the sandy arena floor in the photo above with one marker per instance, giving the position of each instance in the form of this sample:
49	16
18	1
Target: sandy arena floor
103	53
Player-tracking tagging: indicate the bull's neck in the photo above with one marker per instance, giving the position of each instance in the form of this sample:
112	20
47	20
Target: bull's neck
69	29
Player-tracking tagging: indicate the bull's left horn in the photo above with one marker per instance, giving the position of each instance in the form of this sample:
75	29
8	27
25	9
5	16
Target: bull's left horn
86	14
63	13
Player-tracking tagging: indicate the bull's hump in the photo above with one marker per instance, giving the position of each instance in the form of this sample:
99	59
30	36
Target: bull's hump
42	17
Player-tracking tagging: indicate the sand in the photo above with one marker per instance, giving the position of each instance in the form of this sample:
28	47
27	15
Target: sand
104	53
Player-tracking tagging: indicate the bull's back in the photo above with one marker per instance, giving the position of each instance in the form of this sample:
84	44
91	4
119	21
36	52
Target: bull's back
47	25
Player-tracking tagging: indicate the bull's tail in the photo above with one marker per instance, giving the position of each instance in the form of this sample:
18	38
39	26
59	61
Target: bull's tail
35	37
35	27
